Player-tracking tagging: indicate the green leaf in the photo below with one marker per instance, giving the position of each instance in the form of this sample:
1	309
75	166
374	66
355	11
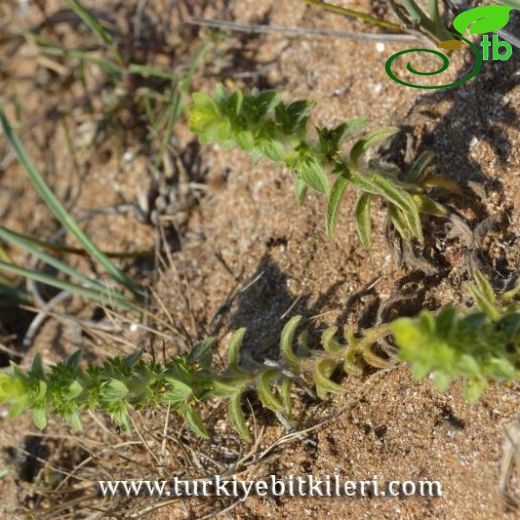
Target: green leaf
404	201
501	368
484	296
469	366
373	359
3	473
428	206
263	102
74	360
272	148
37	367
74	421
312	174
419	169
265	394
245	140
336	196
237	416
285	393
227	389
18	406
329	342
300	191
442	380
203	113
120	418
40	391
194	421
201	352
292	118
8	388
370	140
177	391
331	139
39	418
130	360
363	224
234	104
287	338
234	349
113	390
473	389
351	365
73	391
400	223
324	385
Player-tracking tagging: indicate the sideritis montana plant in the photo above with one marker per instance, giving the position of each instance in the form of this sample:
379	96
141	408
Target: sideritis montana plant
265	126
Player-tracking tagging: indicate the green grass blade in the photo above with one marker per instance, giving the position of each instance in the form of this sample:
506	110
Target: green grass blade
363	224
434	12
147	71
195	62
22	242
59	210
58	248
49	47
90	21
177	101
336	196
103	296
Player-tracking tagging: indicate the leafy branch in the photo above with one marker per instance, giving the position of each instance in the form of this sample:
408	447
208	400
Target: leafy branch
122	384
479	345
263	125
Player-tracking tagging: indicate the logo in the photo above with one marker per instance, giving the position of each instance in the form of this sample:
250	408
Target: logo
480	20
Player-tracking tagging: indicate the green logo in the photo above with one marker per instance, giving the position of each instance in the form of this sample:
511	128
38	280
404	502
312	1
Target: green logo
479	20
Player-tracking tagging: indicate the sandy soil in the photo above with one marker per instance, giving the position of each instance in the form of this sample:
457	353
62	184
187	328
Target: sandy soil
246	255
